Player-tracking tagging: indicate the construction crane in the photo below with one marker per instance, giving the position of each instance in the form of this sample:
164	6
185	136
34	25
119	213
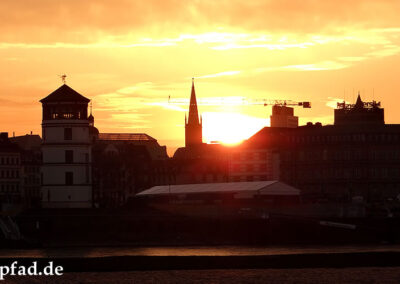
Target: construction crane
240	101
266	102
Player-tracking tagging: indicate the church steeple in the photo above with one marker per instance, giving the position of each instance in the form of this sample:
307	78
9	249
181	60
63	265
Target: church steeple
193	112
193	125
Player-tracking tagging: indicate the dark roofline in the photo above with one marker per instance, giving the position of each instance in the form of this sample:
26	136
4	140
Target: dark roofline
65	94
125	137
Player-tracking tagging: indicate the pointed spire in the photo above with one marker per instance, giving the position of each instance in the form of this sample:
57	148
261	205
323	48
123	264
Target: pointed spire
193	112
359	102
91	117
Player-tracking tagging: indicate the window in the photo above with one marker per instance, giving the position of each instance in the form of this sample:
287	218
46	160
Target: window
69	178
87	173
249	156
263	167
69	156
67	133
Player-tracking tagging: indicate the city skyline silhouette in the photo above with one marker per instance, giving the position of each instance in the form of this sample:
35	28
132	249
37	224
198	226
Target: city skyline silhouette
130	66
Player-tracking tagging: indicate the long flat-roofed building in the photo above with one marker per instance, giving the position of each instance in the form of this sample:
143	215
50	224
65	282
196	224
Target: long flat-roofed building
217	199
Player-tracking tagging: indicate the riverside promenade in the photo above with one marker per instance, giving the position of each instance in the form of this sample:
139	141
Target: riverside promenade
308	265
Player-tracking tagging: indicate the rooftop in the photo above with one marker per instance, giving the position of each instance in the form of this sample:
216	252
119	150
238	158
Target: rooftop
125	137
64	94
256	187
27	142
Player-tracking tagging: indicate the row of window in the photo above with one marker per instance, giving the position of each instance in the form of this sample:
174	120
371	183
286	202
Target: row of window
31	180
208	177
347	138
251	167
9	174
33	169
251	156
249	178
9	161
346	155
9	187
66	115
348	173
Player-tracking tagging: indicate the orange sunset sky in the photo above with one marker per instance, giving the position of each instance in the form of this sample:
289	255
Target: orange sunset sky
129	56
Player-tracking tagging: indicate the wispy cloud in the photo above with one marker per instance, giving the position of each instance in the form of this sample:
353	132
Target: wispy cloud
211	101
325	65
318	66
270	46
226	73
57	45
387	50
167	105
353	58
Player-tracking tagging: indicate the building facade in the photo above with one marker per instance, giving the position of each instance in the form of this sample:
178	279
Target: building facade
11	191
31	161
66	150
283	116
125	164
358	156
258	158
206	163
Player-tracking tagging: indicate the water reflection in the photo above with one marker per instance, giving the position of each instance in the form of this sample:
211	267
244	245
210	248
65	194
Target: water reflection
188	251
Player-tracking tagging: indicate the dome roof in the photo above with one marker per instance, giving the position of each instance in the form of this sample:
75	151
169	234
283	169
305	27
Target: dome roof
93	130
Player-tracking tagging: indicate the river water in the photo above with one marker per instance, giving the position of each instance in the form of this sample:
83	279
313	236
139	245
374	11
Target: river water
189	251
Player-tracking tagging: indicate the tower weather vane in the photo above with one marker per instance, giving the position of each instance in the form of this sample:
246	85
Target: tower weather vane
63	78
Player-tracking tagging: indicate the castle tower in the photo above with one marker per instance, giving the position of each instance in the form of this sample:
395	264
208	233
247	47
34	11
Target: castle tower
193	125
66	150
